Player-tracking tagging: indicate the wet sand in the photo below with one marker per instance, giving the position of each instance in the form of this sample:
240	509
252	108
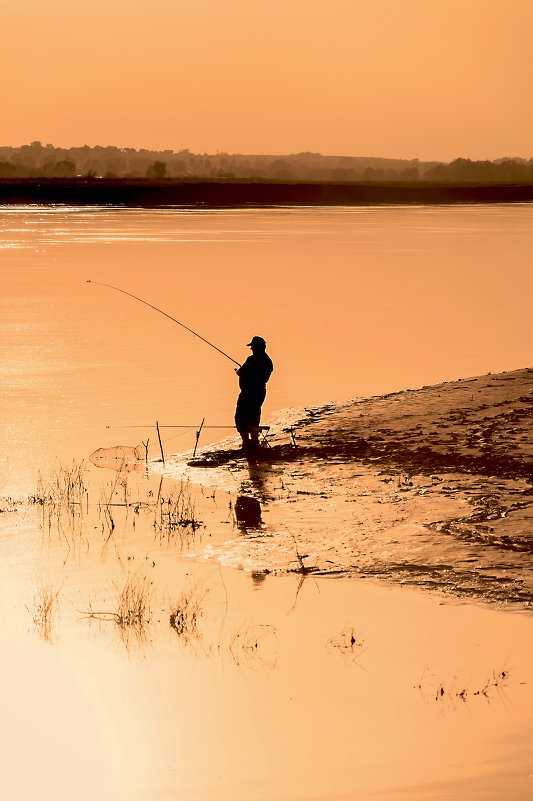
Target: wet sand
303	676
431	487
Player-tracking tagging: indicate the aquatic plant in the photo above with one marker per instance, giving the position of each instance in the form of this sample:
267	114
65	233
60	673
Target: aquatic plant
442	690
348	643
132	603
44	609
186	612
302	568
9	505
64	498
176	512
247	646
64	487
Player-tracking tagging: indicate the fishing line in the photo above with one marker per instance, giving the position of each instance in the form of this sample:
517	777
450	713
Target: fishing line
181	434
117	289
151	425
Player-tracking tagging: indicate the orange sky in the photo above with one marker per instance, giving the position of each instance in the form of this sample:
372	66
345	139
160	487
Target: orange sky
433	79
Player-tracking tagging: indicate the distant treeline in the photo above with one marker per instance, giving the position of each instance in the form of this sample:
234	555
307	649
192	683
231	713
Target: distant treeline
241	193
46	161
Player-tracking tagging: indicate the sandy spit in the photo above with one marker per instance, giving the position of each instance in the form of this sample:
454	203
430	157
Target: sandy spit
431	487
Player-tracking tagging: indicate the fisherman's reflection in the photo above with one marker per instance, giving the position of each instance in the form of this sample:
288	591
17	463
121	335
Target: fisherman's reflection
257	474
248	513
258	577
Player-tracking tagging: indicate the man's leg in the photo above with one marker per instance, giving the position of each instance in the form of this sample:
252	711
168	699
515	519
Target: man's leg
254	427
245	438
241	419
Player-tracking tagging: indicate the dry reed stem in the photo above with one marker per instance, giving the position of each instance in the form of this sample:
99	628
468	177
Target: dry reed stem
442	691
44	610
65	487
247	644
177	511
186	612
132	603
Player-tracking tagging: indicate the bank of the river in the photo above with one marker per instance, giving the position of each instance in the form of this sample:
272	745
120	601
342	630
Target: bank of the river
431	487
245	193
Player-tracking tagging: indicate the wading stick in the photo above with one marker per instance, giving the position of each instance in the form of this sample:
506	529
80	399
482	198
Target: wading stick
198	436
160	443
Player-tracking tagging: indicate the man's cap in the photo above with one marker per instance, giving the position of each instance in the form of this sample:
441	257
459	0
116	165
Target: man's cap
257	341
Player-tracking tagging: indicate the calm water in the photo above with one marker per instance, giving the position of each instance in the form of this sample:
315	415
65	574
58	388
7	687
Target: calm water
351	301
289	689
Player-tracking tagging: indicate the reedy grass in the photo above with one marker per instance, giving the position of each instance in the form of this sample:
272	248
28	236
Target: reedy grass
349	645
44	609
132	599
64	498
247	643
65	487
177	511
186	611
442	691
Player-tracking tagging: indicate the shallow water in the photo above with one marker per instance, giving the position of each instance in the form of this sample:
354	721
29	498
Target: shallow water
285	688
351	301
290	687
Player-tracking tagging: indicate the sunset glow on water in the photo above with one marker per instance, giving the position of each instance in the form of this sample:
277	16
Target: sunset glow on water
244	673
352	302
324	594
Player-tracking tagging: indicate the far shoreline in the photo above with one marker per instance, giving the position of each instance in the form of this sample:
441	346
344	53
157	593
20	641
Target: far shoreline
229	193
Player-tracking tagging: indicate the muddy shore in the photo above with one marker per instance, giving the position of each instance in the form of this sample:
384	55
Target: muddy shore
432	487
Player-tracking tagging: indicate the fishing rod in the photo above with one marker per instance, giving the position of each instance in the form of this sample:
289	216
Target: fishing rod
117	289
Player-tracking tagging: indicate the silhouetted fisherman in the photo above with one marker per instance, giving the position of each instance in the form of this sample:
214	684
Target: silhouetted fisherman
253	377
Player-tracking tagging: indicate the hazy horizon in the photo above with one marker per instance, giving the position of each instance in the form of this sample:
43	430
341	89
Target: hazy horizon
431	80
36	160
297	152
